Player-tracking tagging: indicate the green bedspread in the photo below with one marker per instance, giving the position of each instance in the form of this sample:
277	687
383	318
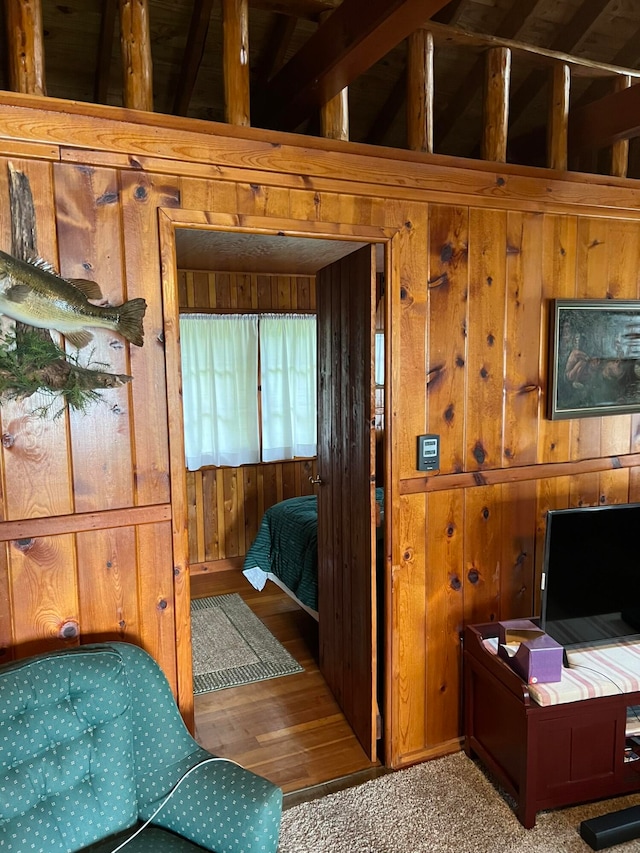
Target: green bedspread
287	546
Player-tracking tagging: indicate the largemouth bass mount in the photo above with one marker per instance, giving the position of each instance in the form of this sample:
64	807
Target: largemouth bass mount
32	292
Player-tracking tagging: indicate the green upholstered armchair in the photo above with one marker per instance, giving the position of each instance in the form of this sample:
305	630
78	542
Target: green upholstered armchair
91	744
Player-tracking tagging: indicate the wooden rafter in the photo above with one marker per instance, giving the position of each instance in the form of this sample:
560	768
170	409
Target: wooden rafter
354	37
194	51
603	122
308	9
627	57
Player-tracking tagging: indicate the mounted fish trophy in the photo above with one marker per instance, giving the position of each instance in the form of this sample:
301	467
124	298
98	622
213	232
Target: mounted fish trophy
40	300
33	293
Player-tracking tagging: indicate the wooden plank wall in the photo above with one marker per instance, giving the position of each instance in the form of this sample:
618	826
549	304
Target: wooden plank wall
472	537
85	510
475	257
226	505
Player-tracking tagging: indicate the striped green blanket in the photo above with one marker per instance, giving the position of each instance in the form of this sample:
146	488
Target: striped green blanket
287	546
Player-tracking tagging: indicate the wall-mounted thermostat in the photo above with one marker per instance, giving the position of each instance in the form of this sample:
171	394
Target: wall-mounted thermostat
428	452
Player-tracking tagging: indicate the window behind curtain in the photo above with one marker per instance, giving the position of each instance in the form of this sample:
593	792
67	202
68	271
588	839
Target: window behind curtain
219	382
288	376
220	388
379	359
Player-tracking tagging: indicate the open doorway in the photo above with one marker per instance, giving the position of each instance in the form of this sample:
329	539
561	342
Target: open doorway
248	257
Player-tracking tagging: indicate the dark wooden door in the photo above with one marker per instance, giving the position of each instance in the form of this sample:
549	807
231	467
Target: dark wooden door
345	295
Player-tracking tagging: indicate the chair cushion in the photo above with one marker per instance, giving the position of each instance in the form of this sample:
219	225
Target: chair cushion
67	774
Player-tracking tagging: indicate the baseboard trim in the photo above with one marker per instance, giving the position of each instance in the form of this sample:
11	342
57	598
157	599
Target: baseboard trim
225	565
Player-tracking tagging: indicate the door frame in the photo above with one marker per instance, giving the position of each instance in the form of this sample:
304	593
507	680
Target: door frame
170	220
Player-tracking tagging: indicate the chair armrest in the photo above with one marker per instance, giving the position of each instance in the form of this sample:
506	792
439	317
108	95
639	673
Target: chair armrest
224	808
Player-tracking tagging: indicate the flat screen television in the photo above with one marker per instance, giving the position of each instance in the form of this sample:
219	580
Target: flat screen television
591	574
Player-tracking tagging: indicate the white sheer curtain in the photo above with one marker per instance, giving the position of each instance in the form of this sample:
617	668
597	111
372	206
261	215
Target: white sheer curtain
379	359
220	385
288	374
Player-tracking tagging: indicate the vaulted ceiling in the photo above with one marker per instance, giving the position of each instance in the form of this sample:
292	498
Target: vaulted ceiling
302	51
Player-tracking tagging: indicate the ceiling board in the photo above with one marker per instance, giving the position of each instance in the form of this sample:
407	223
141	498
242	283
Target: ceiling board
234	251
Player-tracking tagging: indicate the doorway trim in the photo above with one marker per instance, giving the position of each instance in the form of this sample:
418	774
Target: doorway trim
170	220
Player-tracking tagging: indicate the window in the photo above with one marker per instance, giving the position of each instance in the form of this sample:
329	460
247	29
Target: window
225	385
379	360
288	383
219	382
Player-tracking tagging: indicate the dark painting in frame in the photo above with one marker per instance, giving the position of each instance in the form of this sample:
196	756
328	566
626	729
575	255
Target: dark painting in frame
594	365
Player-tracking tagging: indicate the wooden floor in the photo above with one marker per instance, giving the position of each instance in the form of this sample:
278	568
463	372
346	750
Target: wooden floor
290	729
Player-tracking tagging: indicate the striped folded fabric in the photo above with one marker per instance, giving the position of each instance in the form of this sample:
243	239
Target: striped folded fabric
594	671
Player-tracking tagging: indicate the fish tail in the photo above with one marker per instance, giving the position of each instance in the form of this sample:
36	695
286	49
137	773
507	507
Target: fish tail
130	320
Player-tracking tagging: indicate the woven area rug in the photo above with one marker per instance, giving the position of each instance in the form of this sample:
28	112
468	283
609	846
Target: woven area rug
447	805
231	646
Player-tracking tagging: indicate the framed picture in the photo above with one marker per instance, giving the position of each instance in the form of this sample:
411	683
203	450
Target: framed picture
594	365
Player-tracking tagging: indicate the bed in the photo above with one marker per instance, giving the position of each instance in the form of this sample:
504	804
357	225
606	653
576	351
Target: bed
286	549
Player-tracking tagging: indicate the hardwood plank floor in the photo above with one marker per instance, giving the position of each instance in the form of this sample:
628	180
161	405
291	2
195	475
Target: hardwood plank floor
289	730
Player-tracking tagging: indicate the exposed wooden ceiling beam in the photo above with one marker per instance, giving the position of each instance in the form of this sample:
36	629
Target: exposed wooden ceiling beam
509	27
105	51
603	122
308	9
627	56
566	40
352	39
193	53
275	47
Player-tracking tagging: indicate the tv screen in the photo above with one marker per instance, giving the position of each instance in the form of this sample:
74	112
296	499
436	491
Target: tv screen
591	574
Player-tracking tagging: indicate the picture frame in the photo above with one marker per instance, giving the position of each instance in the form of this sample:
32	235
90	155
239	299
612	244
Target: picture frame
594	365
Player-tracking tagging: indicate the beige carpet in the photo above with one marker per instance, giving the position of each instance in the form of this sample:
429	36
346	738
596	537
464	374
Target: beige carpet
231	646
442	806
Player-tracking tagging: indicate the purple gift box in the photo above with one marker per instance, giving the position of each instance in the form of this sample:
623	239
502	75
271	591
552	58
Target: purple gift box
534	655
